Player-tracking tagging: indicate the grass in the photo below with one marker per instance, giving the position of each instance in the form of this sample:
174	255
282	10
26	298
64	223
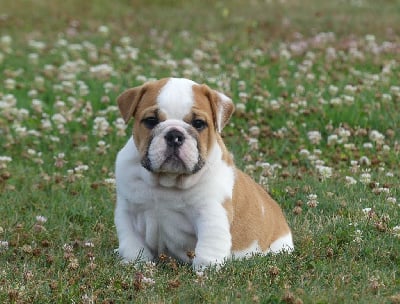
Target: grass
292	67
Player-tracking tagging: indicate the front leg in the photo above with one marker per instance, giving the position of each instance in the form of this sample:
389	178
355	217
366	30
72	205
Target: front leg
131	244
213	237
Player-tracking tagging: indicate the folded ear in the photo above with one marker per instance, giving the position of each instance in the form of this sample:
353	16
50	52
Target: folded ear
128	102
221	105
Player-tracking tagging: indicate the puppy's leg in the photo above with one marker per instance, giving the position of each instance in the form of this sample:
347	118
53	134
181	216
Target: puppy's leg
131	244
213	238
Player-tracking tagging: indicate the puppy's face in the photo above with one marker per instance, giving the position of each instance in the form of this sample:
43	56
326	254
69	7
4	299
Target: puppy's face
176	121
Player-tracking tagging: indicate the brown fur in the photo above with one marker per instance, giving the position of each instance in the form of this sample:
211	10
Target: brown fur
248	223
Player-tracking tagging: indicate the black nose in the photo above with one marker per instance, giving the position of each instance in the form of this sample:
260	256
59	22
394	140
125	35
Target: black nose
174	138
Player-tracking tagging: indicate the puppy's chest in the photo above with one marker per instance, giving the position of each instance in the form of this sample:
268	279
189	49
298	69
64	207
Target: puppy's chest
165	229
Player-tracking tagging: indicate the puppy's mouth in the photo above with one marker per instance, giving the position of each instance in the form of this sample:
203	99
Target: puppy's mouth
173	163
173	153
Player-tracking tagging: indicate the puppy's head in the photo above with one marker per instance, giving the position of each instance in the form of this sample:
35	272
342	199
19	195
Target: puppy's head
175	123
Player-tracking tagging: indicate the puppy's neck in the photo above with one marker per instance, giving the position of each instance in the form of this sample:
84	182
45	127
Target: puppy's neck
182	181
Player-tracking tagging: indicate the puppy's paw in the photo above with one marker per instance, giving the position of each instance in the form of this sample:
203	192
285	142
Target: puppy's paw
133	255
200	264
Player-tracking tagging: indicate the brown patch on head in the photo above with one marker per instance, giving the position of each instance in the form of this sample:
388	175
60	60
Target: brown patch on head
254	215
140	102
216	109
221	106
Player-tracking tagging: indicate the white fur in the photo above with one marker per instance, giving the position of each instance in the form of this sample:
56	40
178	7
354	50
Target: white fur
176	98
283	244
254	248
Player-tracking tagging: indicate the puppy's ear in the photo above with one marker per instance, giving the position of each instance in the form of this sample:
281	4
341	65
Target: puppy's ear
221	105
129	100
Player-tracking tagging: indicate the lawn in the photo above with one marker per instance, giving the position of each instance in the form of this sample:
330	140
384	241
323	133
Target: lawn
317	94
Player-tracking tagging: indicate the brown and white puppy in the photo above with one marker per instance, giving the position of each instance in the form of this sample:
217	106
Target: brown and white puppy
178	190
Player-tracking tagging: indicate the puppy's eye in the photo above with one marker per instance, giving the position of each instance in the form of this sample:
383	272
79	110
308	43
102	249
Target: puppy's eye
150	122
199	124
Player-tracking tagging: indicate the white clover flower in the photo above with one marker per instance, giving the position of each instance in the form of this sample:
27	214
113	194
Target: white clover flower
120	125
314	137
4	160
333	90
110	181
33	93
10	84
141	78
304	152
89	244
45	124
366	211
274	104
104	30
254	131
350	180
5	43
368	145
21	131
59	119
332	139
37	105
350	89
396	231
148	281
253	143
336	101
125	41
395	90
243	96
376	137
101	71
108	87
3	245
68	248
344	134
349	146
37	45
365	178
240	108
285	54
358	236
100	126
386	97
102	147
364	161
41	219
348	100
324	171
312	200
33	58
81	168
59	160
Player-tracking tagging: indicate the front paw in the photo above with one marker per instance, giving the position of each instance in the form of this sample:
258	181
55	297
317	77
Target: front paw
133	255
201	263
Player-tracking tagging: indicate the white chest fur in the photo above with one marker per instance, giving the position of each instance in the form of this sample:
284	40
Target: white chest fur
152	219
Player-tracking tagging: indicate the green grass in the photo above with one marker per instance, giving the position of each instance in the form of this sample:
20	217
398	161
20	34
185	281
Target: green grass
343	253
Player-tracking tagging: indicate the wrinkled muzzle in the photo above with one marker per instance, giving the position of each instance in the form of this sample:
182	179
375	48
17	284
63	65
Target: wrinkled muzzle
173	149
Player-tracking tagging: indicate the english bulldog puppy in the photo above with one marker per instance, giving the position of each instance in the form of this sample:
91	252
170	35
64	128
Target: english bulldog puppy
178	190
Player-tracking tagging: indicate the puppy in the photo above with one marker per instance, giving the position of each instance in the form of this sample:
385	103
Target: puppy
178	190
